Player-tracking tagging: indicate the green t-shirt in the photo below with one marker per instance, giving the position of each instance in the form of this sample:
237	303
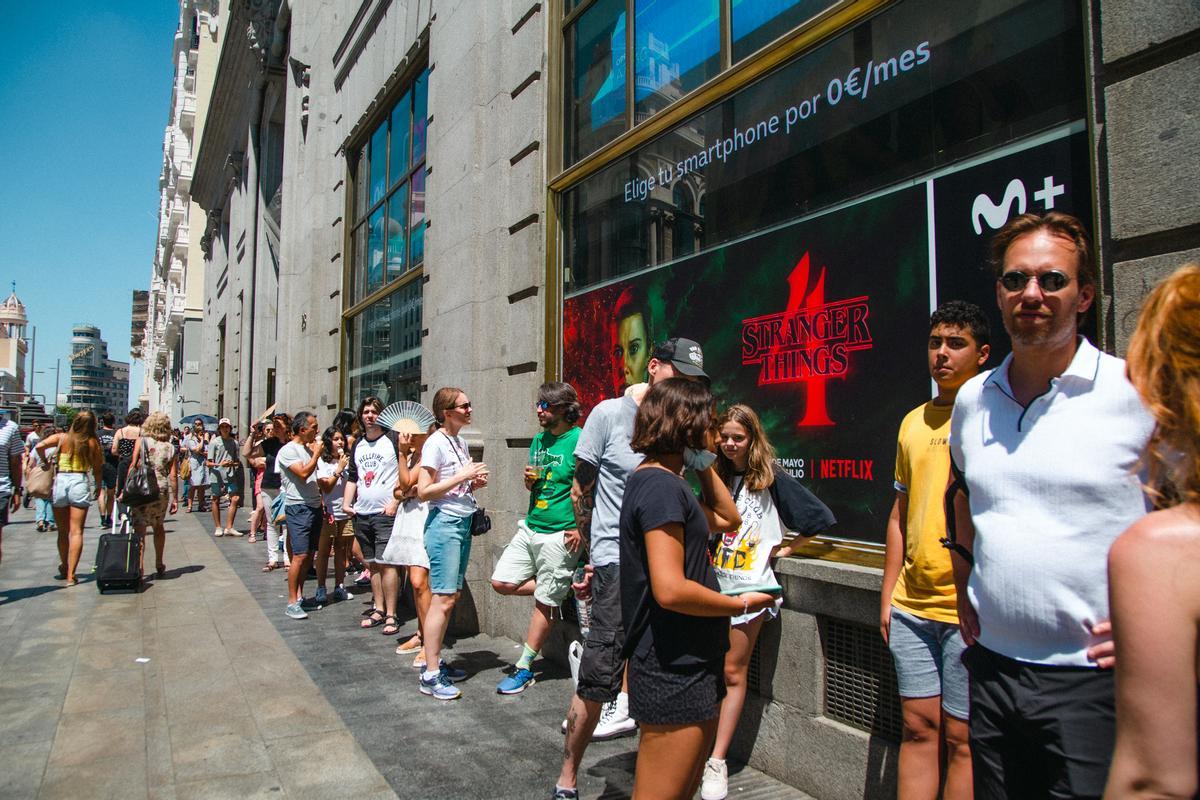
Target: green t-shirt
550	508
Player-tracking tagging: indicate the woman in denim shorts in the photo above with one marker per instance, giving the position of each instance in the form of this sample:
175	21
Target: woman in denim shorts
447	482
79	453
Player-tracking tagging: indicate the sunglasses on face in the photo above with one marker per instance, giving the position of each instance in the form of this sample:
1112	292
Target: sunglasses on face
463	406
1052	281
542	405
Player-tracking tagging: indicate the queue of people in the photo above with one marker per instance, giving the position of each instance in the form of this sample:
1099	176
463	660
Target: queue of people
1022	569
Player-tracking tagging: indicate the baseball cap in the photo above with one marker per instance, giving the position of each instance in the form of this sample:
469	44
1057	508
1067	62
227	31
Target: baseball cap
685	356
224	421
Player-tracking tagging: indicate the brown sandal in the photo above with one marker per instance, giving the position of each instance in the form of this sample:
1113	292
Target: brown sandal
270	565
374	619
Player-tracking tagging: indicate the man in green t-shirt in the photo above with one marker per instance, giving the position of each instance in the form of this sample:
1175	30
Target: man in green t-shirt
540	560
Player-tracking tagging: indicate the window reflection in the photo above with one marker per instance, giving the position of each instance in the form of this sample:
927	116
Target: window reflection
396	239
1007	69
756	23
378	158
595	96
375	240
678	47
420	116
398	159
418	217
385	347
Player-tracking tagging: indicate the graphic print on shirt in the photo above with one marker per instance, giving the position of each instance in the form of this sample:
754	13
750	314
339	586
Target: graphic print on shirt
737	552
549	462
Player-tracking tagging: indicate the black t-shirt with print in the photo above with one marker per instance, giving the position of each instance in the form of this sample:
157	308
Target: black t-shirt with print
653	498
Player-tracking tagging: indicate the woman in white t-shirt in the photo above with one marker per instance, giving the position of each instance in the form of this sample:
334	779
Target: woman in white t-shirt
447	481
742	559
337	528
406	547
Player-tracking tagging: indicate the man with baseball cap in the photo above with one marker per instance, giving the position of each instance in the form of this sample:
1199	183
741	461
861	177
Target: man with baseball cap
225	476
603	462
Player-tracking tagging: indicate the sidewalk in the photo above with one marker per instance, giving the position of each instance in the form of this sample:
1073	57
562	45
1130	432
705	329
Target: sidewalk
239	700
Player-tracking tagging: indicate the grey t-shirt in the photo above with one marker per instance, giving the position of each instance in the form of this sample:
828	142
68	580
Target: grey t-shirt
221	449
604	442
295	491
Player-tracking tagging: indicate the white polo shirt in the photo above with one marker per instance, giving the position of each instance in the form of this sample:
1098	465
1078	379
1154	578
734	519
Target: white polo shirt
1051	487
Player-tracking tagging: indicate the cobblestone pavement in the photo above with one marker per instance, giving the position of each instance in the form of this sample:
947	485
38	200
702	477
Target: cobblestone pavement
237	700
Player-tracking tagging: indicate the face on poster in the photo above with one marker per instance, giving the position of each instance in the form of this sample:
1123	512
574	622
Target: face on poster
814	325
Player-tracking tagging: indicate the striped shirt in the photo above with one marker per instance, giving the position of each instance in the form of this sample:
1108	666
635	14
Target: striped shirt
11	446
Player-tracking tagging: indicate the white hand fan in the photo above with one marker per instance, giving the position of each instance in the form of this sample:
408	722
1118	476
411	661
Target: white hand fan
406	417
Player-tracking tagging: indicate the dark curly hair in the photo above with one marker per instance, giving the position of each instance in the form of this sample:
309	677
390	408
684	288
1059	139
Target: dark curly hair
961	314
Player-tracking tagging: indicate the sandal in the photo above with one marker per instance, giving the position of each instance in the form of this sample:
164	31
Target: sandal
419	661
373	620
390	627
270	565
410	645
370	610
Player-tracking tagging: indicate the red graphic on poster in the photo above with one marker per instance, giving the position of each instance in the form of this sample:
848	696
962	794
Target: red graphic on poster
809	342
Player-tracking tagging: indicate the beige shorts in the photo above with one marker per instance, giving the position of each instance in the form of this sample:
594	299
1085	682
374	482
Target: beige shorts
543	555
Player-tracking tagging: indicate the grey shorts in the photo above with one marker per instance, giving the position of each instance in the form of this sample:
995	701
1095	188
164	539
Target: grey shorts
372	532
928	659
601	667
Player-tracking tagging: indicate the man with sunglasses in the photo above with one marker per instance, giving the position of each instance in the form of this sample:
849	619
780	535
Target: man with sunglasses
1044	453
542	555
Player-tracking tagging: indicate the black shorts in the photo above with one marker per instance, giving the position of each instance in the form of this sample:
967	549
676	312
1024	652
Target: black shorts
372	532
1039	731
662	695
108	476
7	498
303	527
601	667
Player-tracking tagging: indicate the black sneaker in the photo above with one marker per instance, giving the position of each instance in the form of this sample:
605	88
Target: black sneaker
564	794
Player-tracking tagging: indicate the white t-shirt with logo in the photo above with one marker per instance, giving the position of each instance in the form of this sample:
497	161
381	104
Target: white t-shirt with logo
446	455
742	560
374	472
332	498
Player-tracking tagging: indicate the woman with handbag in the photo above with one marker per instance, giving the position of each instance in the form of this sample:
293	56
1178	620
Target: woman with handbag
446	481
39	478
79	453
122	447
155	450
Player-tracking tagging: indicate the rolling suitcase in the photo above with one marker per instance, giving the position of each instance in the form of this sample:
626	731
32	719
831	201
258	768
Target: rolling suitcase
119	560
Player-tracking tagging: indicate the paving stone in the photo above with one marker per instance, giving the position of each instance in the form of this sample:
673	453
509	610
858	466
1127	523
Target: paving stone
22	765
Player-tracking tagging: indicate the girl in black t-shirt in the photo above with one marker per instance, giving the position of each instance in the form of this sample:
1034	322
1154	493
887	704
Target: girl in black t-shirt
676	621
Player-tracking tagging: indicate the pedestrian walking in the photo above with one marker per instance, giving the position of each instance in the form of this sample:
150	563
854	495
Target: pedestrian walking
108	486
12	451
122	447
154	448
43	511
78	457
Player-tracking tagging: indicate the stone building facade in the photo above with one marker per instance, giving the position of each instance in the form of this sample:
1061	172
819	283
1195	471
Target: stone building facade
401	195
171	344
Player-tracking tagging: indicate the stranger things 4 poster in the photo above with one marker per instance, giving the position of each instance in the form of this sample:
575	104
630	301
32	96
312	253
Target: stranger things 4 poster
820	326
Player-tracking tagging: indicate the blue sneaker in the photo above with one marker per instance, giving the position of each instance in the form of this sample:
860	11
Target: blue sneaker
439	688
519	681
451	673
321	597
340	593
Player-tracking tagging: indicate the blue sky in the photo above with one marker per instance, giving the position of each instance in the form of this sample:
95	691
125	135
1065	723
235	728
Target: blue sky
84	94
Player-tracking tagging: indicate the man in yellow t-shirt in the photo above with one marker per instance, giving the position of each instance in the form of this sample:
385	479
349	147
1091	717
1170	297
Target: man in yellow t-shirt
918	617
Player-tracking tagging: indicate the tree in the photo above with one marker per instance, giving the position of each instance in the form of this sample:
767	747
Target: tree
65	415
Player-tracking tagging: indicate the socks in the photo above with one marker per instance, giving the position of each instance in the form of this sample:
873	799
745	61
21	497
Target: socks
430	675
527	657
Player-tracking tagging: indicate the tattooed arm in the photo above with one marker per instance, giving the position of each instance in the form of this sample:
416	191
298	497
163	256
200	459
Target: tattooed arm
583	497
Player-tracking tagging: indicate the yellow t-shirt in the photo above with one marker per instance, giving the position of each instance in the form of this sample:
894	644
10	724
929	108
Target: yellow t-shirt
925	586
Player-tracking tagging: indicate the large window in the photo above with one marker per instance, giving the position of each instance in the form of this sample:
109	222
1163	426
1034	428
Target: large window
387	249
801	223
677	47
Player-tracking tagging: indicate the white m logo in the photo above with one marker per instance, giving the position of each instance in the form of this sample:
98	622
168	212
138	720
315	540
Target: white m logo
997	214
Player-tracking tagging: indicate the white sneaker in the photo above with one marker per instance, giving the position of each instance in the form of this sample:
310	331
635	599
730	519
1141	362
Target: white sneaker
233	532
614	720
219	532
715	783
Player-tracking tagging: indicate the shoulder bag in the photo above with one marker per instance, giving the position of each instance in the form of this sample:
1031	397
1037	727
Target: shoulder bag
141	486
39	478
481	523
